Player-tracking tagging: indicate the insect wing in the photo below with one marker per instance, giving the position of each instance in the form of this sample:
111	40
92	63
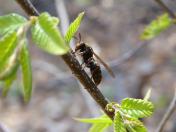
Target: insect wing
105	65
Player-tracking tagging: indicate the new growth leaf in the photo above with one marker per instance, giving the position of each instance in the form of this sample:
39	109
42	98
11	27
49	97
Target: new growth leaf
11	22
156	27
13	45
126	116
73	28
26	71
137	107
46	35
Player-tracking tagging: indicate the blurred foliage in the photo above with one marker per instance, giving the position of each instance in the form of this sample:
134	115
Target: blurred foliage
46	35
162	23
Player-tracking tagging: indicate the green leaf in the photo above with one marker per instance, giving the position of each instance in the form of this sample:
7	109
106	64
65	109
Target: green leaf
7	45
73	28
156	27
118	123
99	124
130	129
9	81
11	22
134	125
137	107
100	127
55	21
47	36
26	71
10	69
136	129
140	129
95	120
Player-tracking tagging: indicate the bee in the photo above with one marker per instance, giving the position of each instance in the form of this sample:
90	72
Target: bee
87	54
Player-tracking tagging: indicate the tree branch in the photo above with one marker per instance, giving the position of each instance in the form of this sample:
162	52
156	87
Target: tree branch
128	55
168	114
74	65
64	24
165	8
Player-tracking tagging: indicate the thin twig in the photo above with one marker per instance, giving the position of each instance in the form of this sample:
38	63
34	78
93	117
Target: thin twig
172	106
125	57
170	111
165	8
74	65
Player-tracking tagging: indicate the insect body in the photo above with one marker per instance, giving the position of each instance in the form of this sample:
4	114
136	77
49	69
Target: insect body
95	72
87	54
85	51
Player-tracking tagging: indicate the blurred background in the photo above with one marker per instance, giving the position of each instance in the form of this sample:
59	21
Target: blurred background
112	28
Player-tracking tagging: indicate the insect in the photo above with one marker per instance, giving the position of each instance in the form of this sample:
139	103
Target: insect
87	55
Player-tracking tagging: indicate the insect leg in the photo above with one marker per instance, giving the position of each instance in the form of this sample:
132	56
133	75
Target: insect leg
83	65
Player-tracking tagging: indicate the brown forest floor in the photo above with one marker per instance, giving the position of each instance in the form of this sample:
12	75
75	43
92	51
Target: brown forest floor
112	28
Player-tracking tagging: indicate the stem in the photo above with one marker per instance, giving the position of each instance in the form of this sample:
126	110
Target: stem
74	65
168	114
64	24
165	8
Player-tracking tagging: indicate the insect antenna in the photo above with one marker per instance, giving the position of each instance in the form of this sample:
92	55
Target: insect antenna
79	37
